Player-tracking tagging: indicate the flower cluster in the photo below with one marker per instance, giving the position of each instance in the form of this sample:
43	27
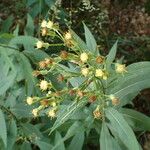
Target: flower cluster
88	67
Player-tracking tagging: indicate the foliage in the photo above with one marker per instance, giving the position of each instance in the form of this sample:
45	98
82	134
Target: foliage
79	97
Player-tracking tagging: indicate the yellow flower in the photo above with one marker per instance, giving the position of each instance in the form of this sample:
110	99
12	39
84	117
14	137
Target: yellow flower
84	57
85	71
68	36
99	73
53	104
29	100
120	68
44	31
39	44
50	24
105	77
35	112
52	113
44	85
44	24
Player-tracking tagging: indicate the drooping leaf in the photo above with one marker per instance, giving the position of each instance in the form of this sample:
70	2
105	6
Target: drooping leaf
26	146
107	142
59	143
12	134
21	110
136	119
7	24
75	128
28	42
30	80
3	130
133	87
77	141
29	29
7	73
122	129
43	145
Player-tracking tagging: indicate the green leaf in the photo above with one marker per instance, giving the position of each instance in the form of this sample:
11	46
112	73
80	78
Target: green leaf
66	113
16	31
111	56
43	145
12	134
122	129
28	42
22	111
136	119
78	40
7	73
26	146
126	87
30	80
107	142
77	141
29	29
134	87
90	40
59	144
3	130
36	55
7	24
31	130
75	128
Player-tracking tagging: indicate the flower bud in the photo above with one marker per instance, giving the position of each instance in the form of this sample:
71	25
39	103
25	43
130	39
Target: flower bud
39	44
50	24
52	113
36	73
64	55
44	31
53	104
44	102
44	85
115	101
35	112
97	114
42	64
80	93
72	92
99	73
92	98
100	59
29	100
84	57
120	68
67	36
44	24
85	71
60	78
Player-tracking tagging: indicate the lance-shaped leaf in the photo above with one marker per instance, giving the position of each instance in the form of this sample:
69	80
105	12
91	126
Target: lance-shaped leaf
107	142
67	112
122	129
3	130
111	56
136	119
90	40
